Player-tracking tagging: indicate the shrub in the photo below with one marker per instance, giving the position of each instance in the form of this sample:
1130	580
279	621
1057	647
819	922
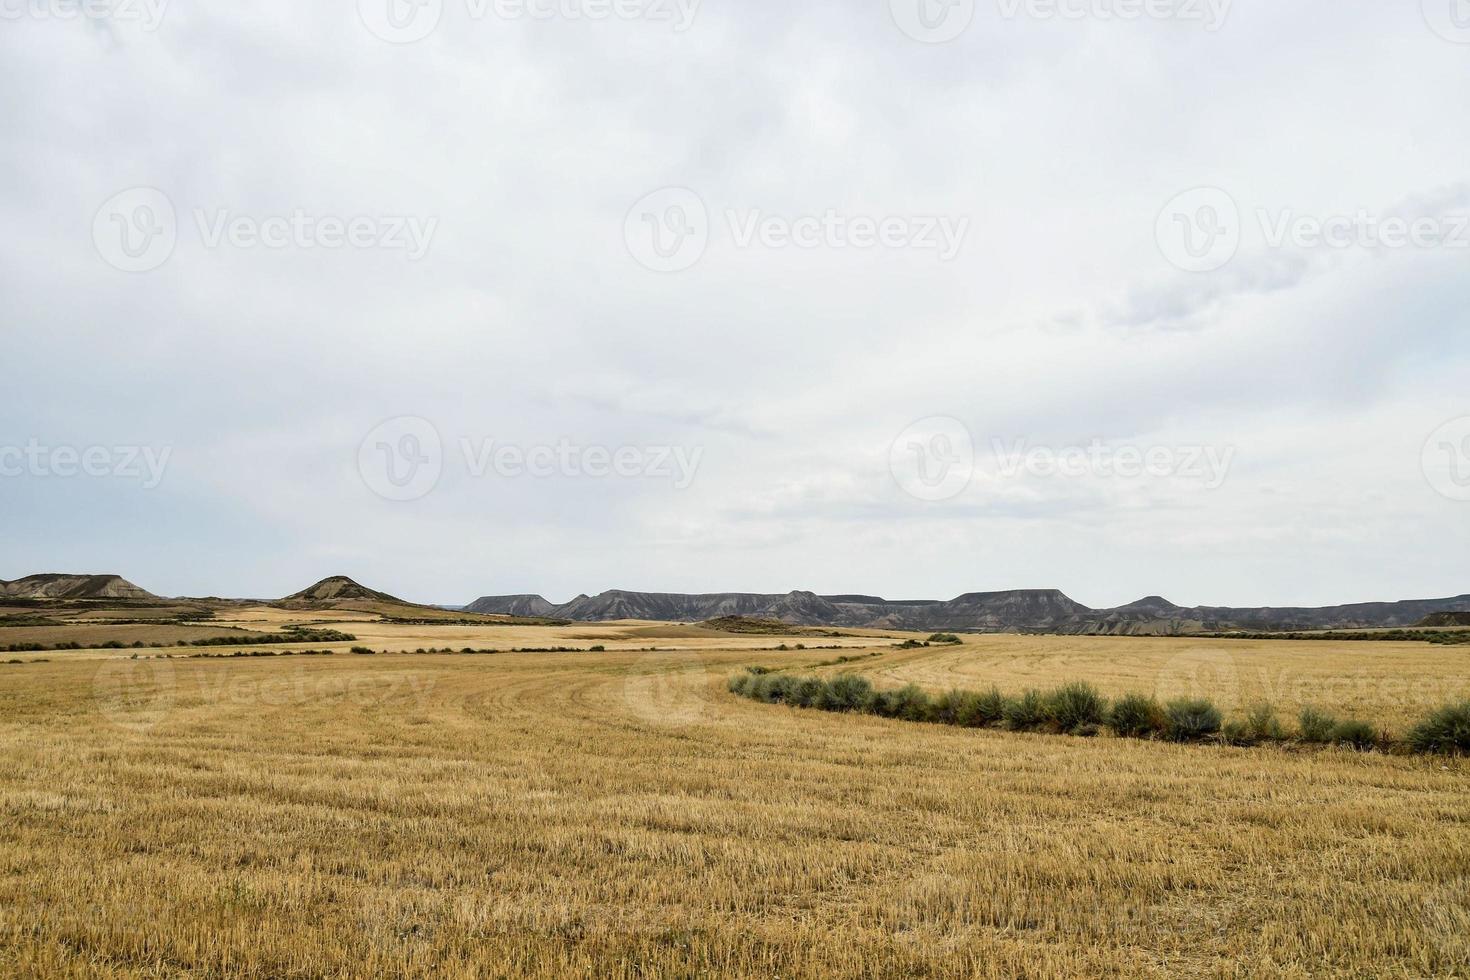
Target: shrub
909	703
1075	706
1192	719
944	638
846	692
913	704
1261	723
1359	734
1137	716
740	683
979	710
1026	712
1237	732
806	692
1316	726
946	707
776	688
362	651
1447	730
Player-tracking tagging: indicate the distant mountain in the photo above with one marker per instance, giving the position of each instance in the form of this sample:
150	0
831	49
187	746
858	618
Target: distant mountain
52	586
1026	610
1444	619
340	588
511	605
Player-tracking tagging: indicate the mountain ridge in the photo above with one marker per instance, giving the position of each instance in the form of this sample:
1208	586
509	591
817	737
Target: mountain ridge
1025	610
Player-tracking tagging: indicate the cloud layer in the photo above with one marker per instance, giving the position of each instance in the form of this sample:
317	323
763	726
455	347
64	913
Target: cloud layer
294	146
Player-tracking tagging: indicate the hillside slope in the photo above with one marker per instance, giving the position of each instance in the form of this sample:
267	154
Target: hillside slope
62	586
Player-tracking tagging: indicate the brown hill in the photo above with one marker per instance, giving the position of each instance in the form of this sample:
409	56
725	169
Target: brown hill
1443	619
339	588
60	586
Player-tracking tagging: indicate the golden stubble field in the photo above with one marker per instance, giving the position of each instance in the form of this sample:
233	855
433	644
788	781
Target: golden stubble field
620	814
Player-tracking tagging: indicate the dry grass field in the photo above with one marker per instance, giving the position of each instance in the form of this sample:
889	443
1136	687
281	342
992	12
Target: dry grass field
620	814
1391	685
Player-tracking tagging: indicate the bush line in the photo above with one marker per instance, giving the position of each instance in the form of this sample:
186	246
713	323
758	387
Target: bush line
1079	709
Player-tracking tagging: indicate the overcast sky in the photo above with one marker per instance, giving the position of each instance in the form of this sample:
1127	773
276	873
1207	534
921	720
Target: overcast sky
849	297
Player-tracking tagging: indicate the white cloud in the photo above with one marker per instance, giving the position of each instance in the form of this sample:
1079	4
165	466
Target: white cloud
792	369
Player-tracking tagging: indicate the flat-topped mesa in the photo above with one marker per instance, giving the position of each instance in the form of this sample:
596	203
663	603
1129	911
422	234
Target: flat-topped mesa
530	606
66	586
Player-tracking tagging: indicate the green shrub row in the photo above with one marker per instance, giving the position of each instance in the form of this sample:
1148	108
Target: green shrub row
1078	709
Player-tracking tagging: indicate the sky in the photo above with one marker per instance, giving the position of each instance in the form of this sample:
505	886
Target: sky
899	297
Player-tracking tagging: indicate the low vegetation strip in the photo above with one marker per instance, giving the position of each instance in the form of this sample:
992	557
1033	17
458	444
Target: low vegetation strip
292	634
1079	709
1443	637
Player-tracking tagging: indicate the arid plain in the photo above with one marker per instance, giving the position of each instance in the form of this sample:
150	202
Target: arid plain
618	812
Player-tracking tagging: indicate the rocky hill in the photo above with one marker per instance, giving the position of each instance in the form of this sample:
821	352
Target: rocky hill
340	588
1442	620
58	586
532	606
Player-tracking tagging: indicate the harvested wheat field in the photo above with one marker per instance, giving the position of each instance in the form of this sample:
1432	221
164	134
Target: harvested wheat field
621	814
1388	684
